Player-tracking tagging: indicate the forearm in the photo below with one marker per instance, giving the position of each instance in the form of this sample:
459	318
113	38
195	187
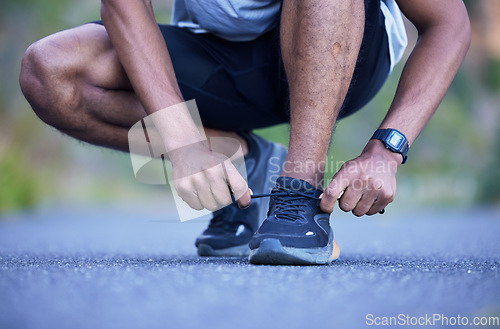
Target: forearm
427	76
143	53
367	184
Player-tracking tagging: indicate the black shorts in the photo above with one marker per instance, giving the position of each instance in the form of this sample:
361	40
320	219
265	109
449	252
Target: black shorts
240	86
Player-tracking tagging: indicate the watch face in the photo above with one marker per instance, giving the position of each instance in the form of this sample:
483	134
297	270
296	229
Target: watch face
395	139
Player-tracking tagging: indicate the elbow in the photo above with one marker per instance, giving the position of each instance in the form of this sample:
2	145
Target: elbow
108	7
122	8
105	9
467	36
453	27
461	27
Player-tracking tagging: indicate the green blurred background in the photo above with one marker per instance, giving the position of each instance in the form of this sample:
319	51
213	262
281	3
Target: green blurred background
452	164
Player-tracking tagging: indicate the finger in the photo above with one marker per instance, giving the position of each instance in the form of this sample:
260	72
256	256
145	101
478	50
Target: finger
364	205
245	200
384	198
350	199
238	185
205	194
377	206
222	195
219	187
336	187
370	194
186	192
341	194
193	201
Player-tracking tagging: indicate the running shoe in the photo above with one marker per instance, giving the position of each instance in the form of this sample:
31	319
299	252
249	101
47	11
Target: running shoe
231	228
296	231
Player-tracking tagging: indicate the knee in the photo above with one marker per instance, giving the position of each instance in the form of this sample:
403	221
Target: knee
30	77
45	80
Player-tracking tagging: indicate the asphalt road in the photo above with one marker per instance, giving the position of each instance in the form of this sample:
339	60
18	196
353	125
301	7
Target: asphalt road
125	267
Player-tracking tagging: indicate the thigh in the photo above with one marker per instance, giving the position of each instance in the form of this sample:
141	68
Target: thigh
84	53
236	85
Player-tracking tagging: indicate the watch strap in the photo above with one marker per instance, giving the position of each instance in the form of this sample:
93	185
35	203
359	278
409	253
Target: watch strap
383	134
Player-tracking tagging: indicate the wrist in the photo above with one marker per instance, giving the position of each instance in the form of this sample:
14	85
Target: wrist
178	125
195	152
377	147
394	140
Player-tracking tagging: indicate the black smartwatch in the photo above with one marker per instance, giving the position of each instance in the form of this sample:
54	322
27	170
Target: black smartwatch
394	140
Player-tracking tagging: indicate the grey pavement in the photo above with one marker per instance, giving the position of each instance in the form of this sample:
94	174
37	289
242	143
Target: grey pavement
136	267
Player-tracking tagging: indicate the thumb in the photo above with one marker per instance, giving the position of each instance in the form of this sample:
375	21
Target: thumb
333	192
238	185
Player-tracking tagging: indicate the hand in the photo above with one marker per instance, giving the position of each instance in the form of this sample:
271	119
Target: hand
205	179
366	184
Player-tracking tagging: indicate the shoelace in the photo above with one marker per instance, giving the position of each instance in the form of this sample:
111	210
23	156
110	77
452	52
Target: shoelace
269	194
288	192
291	204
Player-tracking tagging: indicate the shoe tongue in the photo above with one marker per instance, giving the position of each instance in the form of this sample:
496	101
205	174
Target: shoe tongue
295	184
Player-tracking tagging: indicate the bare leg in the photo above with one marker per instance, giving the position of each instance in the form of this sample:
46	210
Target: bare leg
75	82
320	42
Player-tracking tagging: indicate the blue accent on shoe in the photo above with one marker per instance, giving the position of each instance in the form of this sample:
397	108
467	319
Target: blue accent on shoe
231	228
296	231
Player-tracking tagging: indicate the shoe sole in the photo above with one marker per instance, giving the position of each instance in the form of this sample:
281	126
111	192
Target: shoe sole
205	250
271	252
